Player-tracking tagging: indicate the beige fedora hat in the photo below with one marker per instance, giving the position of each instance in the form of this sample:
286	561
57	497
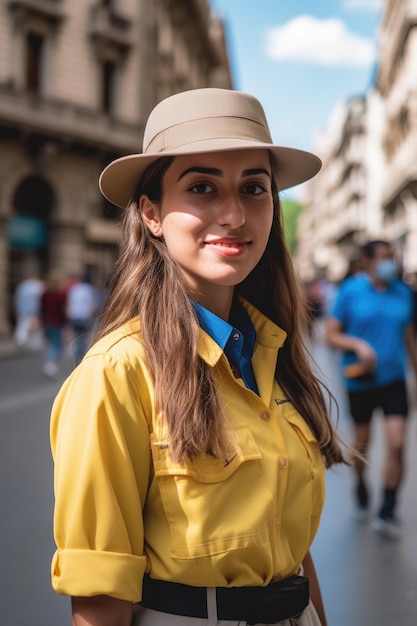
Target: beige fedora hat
205	120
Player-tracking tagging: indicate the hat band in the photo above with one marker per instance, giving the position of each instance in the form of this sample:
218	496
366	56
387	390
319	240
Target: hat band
206	129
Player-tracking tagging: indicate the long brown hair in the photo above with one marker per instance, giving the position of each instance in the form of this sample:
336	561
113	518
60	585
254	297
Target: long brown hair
147	283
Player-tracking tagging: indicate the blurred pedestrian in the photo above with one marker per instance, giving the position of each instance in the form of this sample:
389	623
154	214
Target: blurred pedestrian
53	308
329	290
188	454
314	299
82	307
372	323
26	302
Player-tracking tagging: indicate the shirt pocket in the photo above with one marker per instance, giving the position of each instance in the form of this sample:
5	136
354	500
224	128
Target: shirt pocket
212	505
314	458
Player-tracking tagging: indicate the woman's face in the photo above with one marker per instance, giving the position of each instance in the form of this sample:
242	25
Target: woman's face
215	217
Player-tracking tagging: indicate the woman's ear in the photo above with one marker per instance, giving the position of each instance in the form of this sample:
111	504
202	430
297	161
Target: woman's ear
150	214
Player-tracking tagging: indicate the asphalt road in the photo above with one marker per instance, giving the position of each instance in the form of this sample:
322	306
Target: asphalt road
366	580
26	496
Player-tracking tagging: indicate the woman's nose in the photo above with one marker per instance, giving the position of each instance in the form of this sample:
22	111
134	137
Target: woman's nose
231	211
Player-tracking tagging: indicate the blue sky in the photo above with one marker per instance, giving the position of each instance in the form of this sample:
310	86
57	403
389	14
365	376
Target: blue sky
301	57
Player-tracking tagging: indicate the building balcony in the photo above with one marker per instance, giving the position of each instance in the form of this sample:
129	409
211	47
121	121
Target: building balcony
50	11
345	221
110	32
402	169
66	122
401	20
197	13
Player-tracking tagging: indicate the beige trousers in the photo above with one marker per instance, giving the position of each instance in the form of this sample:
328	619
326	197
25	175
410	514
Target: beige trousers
148	617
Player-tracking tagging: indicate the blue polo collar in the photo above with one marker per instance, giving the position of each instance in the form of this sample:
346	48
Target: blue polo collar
236	338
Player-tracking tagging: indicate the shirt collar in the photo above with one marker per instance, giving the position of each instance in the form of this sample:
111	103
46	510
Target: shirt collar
236	339
268	334
220	330
217	328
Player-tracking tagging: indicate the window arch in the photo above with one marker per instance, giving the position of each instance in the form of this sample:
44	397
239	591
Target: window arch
34	197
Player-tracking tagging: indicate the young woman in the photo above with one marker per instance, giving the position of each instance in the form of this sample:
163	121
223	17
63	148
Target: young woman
190	443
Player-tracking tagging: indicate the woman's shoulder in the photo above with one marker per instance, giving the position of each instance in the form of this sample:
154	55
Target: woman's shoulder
123	344
113	362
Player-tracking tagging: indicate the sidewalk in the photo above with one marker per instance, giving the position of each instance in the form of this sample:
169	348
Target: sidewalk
8	348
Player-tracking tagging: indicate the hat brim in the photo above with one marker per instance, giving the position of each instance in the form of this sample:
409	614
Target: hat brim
291	166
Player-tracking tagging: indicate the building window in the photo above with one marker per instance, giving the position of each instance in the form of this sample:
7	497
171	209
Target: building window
34	60
108	86
34	197
111	37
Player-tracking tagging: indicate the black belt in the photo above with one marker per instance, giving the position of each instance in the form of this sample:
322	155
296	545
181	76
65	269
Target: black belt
266	605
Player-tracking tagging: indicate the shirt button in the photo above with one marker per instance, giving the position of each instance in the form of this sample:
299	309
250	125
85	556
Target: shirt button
276	579
282	462
236	336
277	520
265	416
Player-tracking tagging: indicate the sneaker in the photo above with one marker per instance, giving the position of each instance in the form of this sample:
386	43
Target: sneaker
50	369
362	502
388	527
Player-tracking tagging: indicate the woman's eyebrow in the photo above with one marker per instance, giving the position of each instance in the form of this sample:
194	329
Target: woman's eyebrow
216	172
201	170
256	171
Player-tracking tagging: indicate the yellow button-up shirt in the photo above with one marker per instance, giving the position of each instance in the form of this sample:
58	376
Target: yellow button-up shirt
123	507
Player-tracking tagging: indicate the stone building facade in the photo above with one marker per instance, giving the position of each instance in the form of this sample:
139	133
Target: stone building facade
368	185
336	215
77	81
396	82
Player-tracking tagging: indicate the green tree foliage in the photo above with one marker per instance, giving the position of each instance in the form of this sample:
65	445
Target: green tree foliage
291	210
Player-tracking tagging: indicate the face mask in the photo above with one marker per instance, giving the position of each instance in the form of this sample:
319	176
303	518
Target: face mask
387	270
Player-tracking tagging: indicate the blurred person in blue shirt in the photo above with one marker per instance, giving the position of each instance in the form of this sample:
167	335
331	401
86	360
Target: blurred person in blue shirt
26	303
82	307
372	324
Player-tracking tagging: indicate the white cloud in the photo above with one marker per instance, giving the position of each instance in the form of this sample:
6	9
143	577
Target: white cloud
321	42
363	5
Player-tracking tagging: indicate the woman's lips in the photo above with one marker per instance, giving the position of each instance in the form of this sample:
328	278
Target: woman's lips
228	247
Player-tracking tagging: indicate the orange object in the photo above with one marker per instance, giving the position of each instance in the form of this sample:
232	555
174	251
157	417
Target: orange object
357	369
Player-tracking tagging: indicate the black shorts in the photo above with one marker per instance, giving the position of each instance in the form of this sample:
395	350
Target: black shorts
392	399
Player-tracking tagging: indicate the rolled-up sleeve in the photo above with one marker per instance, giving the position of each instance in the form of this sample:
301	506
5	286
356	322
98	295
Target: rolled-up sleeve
100	446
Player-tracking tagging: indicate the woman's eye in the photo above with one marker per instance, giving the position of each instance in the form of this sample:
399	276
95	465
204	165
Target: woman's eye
254	189
201	188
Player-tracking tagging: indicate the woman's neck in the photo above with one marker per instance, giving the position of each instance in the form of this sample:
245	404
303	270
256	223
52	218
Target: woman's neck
219	303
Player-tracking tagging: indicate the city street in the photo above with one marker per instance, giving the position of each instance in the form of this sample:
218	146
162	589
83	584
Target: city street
366	580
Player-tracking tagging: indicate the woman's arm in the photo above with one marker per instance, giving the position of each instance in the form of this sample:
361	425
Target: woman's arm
337	338
101	611
100	445
315	593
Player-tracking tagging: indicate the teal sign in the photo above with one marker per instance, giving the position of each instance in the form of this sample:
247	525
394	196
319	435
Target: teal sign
27	232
